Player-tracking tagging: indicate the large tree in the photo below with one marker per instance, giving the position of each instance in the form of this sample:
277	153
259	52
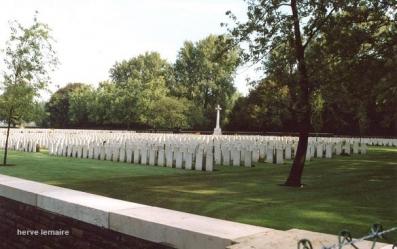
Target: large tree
139	83
204	73
354	60
29	58
293	28
170	113
59	105
81	106
266	108
104	111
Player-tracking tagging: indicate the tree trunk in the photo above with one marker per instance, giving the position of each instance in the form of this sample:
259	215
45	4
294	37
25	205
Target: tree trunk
295	175
7	136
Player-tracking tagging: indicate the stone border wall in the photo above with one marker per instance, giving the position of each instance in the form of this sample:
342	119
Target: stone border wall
99	222
18	219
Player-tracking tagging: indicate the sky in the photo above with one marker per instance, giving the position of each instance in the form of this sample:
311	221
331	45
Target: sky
91	35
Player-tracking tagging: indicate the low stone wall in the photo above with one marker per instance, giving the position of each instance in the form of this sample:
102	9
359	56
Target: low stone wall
90	221
35	215
25	226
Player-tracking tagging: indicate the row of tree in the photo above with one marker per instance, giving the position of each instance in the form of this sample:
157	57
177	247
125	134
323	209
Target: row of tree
329	66
354	89
316	50
350	57
148	92
350	63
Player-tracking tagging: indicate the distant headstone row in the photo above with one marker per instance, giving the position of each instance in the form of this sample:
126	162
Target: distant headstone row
182	151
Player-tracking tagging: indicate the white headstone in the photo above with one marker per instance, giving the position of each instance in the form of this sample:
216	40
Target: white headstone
115	153
178	159
188	160
161	159
129	154
209	161
168	157
319	150
226	156
122	154
236	157
218	157
279	156
247	158
288	151
346	148
199	160
355	148
136	155
144	156
269	155
255	155
328	150
102	153
338	149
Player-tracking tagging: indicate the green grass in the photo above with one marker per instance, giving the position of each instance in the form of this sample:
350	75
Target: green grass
346	192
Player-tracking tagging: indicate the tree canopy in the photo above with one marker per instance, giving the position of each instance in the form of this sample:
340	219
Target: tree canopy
310	47
349	61
204	74
148	92
349	56
29	59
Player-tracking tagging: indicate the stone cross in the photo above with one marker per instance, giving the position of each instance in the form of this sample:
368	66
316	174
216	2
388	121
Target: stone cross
217	130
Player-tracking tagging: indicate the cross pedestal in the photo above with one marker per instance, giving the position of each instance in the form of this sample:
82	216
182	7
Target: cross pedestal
217	130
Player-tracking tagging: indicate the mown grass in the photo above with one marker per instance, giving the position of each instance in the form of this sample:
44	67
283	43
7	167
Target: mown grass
346	192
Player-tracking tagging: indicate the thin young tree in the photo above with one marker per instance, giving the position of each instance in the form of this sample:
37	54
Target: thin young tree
29	59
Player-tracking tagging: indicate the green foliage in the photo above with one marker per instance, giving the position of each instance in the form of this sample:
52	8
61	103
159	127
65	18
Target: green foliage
350	56
29	57
170	113
144	68
103	111
81	101
146	91
138	96
351	66
317	103
204	74
16	103
38	115
266	108
61	115
139	83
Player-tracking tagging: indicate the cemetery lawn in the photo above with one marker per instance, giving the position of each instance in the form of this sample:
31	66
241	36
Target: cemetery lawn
346	192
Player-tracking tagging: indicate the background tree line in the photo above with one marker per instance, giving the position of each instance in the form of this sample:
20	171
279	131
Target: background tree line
351	65
350	62
148	92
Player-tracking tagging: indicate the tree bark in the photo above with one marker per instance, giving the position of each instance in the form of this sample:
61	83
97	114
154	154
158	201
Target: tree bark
7	136
295	175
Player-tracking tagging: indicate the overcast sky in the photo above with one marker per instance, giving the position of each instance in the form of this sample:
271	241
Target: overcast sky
92	35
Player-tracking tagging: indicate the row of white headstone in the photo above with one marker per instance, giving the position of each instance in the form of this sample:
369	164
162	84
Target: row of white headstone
169	156
198	152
